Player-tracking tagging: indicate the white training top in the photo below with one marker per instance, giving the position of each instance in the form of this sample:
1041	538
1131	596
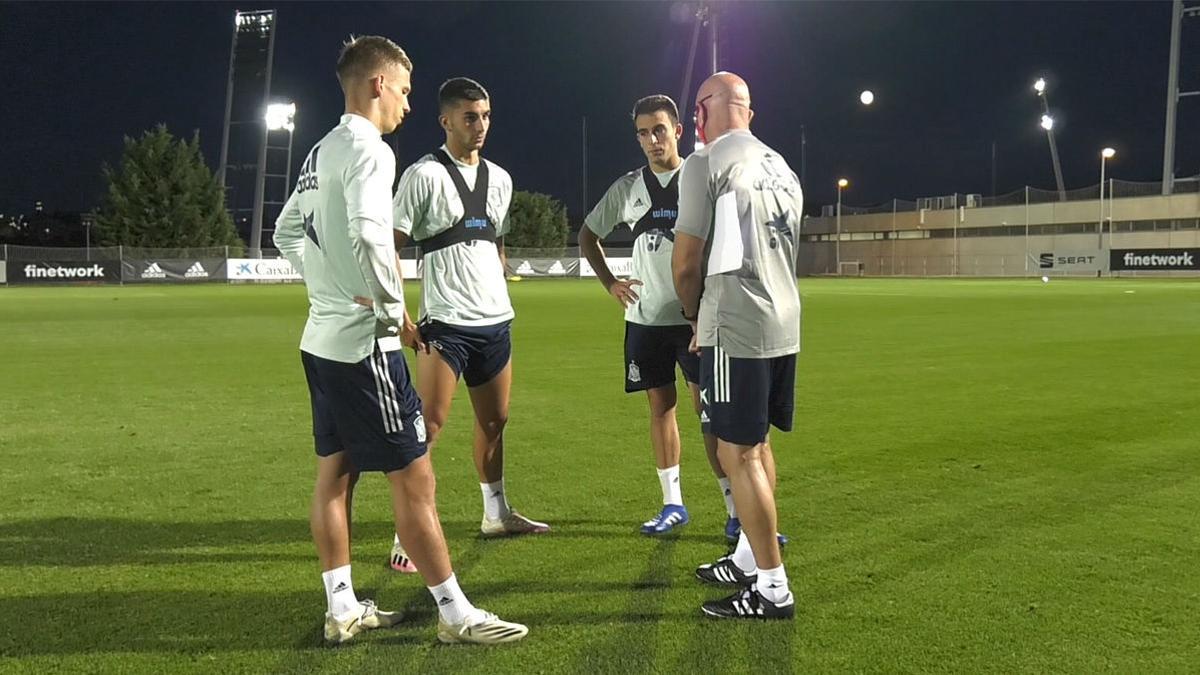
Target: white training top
336	229
626	202
462	284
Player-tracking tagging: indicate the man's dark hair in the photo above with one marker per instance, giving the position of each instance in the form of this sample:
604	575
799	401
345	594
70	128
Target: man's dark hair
460	89
365	56
652	104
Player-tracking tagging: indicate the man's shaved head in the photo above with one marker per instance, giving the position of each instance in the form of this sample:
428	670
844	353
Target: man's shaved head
727	87
722	103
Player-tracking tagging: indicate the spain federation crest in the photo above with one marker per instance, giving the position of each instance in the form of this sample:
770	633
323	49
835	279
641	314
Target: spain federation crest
635	373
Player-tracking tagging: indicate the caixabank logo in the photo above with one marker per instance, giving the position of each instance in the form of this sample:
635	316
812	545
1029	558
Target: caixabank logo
1156	259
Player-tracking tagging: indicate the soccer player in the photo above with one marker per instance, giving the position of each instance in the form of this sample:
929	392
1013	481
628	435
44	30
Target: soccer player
734	267
656	334
453	203
336	229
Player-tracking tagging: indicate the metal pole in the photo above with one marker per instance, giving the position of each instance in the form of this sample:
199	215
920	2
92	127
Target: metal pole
803	157
228	106
993	168
1058	176
1100	225
287	171
1026	230
685	95
1168	174
712	18
260	179
838	244
1111	231
893	236
585	167
260	175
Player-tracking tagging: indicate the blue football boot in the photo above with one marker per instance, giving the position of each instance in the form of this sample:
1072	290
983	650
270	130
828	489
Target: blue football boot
671	517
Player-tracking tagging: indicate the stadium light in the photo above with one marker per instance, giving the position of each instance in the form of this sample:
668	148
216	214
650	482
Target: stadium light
867	97
1105	155
281	116
842	184
1047	123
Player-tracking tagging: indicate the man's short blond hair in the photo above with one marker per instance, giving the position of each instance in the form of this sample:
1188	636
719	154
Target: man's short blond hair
364	57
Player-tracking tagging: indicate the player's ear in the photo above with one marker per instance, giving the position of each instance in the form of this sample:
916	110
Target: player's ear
678	131
444	120
751	117
377	86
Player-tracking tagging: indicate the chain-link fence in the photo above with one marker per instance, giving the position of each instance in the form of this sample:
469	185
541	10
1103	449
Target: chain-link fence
1115	189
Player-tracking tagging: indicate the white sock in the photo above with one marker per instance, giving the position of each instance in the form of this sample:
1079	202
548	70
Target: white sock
452	603
668	478
743	557
495	505
339	592
773	585
727	491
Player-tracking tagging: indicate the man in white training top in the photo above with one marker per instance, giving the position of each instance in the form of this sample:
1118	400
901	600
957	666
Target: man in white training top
454	204
734	266
336	229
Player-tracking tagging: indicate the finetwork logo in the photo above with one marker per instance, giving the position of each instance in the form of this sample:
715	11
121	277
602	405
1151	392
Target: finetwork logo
1183	259
153	271
196	271
63	272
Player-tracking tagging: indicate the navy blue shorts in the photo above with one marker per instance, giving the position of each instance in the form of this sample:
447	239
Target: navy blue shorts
742	398
369	409
651	353
475	353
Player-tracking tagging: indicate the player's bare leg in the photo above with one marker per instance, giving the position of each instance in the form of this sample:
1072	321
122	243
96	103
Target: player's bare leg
490	403
756	563
436	384
664	439
415	506
417	522
755	499
329	522
329	516
664	430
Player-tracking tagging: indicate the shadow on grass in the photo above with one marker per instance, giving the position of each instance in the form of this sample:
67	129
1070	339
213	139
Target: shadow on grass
71	542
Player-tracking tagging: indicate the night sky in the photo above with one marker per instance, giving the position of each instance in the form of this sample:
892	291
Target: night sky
949	79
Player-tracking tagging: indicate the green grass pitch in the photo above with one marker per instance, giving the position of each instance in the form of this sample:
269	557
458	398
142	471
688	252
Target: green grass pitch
986	476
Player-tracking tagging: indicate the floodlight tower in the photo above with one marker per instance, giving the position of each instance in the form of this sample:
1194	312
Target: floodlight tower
244	138
1048	124
268	190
